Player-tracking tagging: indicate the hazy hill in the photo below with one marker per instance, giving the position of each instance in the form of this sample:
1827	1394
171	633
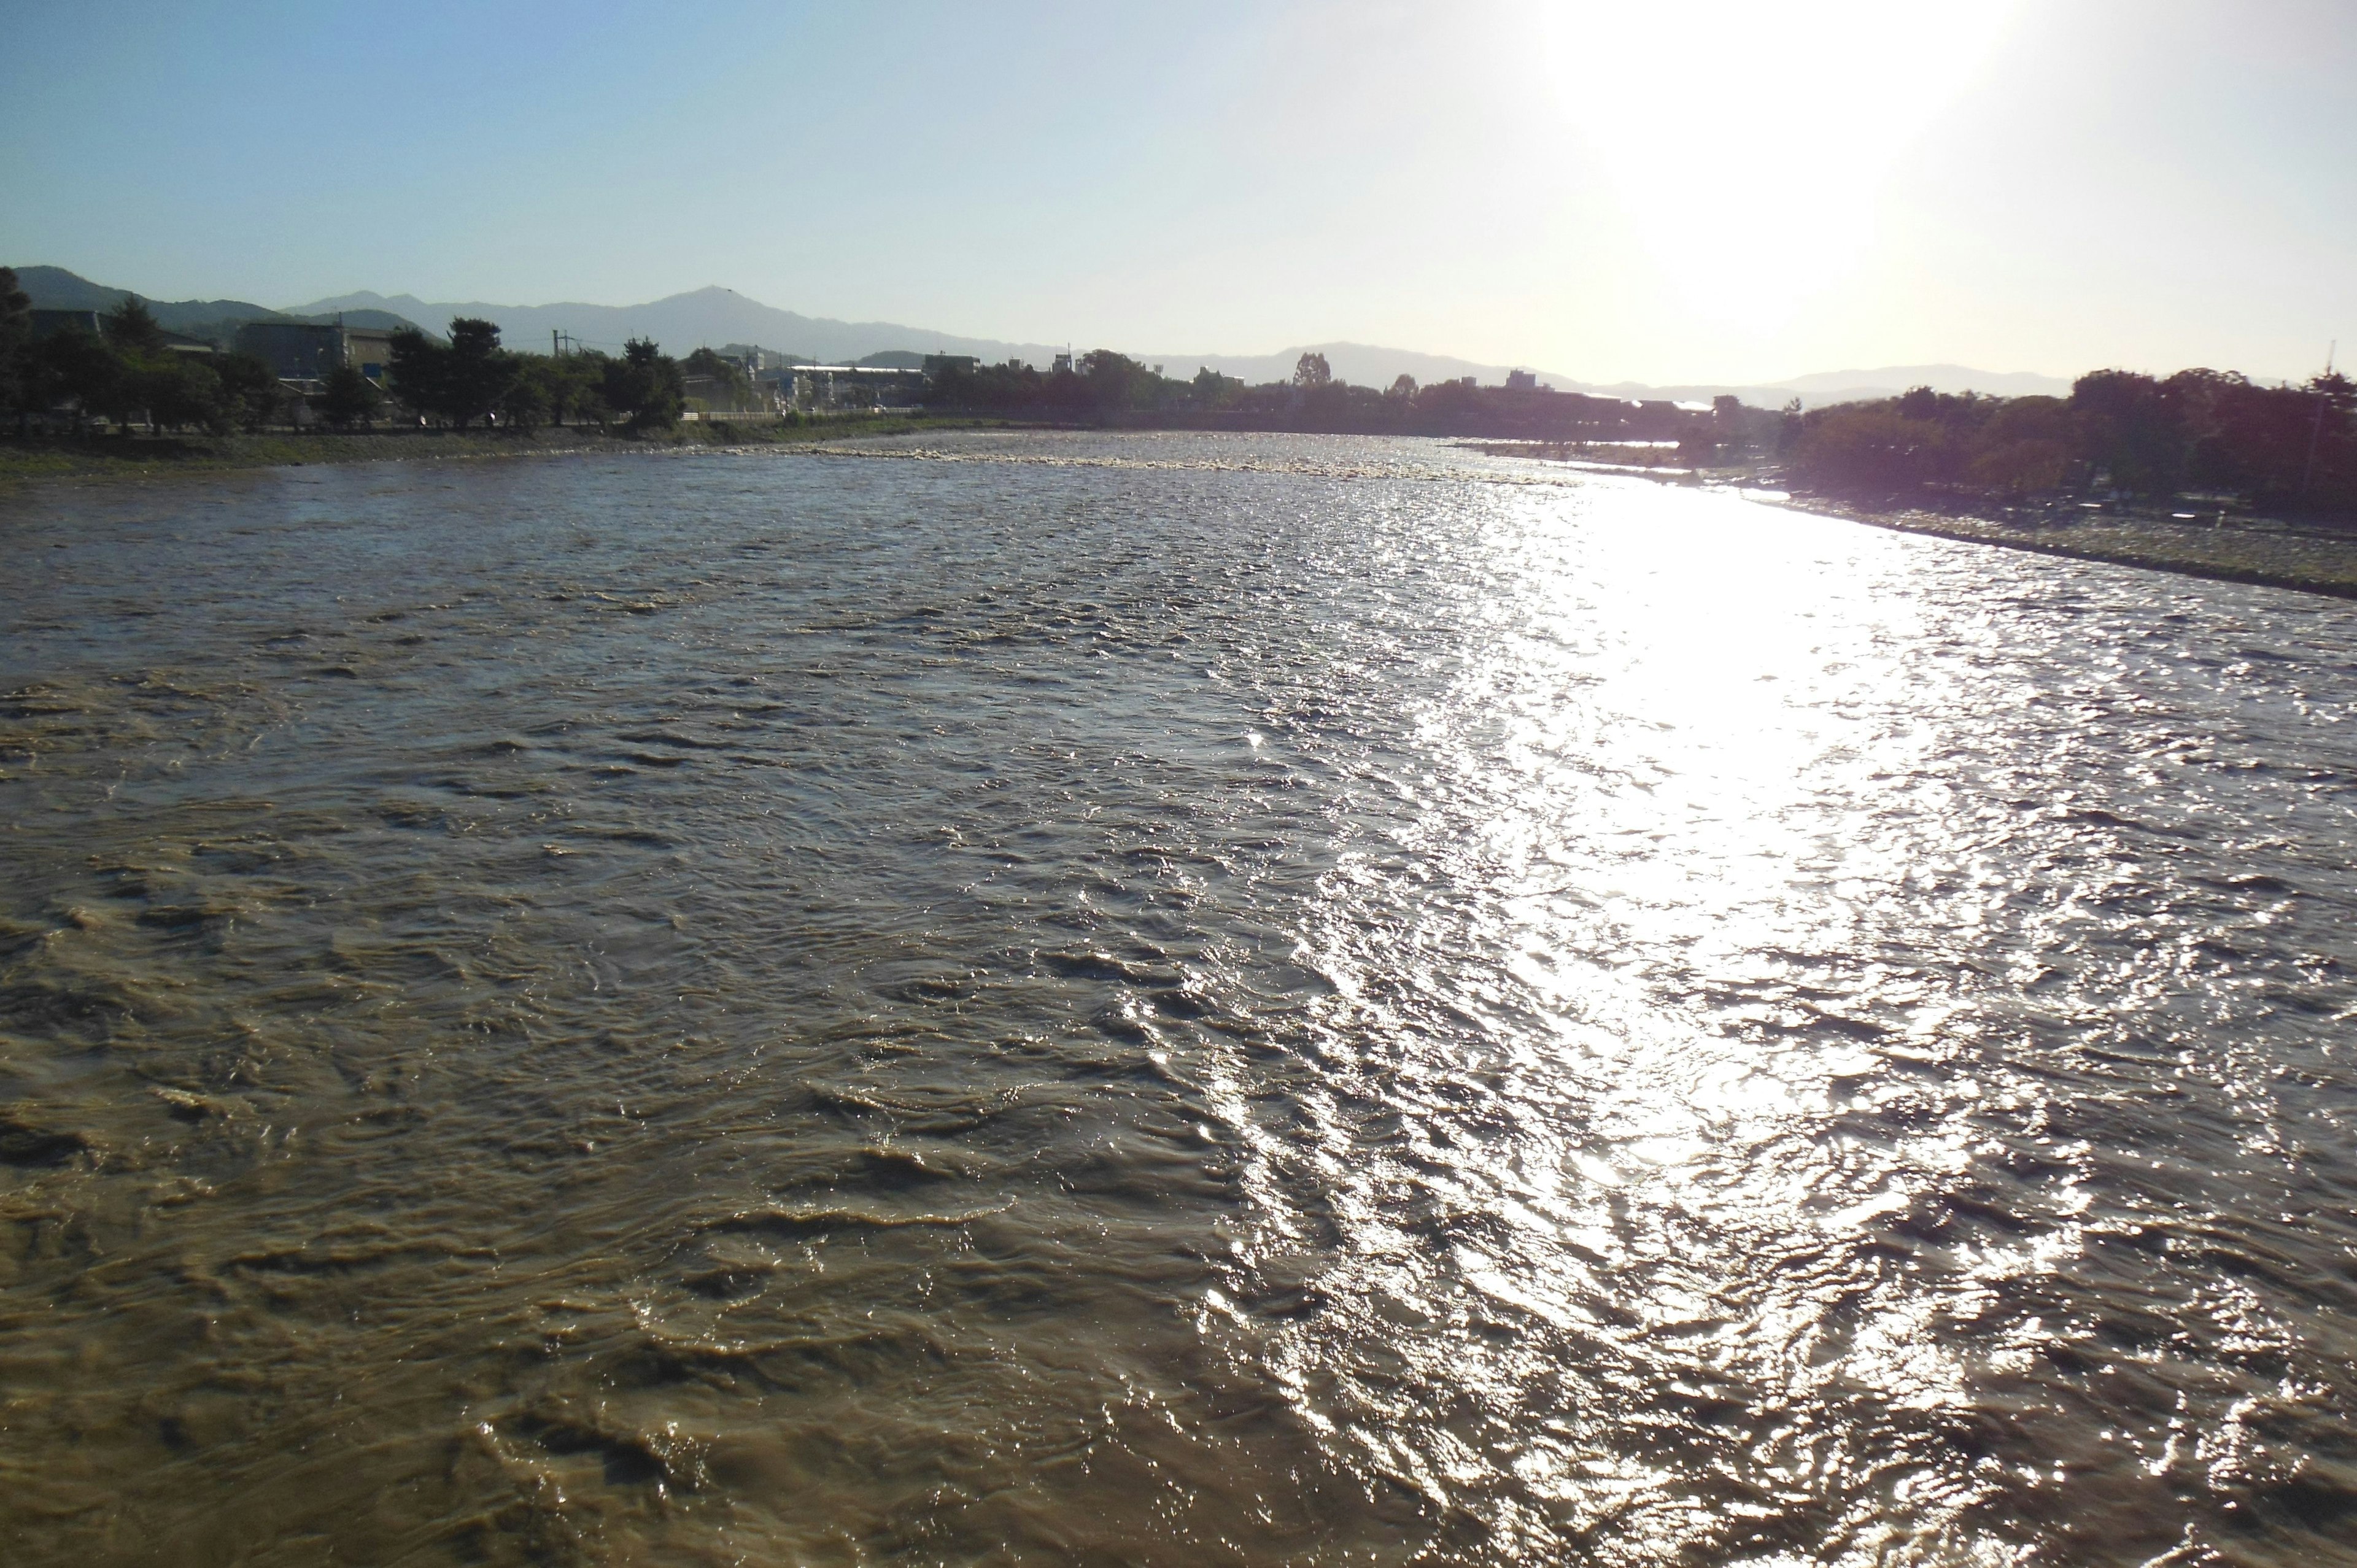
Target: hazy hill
54	288
714	317
707	318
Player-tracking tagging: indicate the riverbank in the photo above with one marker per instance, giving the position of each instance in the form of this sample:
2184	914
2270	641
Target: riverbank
93	457
2310	558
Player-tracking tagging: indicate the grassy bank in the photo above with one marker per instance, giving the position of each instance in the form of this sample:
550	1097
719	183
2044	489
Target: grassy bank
52	457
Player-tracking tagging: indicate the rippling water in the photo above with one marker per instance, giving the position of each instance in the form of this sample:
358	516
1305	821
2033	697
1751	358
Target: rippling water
1157	999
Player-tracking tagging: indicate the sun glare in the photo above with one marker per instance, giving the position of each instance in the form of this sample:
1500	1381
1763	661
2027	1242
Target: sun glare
1802	109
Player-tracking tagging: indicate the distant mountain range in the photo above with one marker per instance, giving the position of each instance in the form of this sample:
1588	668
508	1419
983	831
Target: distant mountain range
716	317
54	288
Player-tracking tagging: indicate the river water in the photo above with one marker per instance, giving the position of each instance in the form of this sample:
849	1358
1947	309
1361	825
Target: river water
1167	998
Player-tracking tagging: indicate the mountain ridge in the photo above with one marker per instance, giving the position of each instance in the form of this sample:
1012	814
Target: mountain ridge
707	318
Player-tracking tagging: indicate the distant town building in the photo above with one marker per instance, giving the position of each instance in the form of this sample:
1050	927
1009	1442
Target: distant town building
857	386
1521	381
755	358
309	352
937	363
1063	364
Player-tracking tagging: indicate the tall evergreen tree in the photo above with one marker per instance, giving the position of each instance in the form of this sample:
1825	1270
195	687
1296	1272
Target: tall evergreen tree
480	371
15	343
645	383
132	329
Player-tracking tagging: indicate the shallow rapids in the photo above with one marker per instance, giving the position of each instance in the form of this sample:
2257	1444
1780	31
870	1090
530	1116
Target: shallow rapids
1160	999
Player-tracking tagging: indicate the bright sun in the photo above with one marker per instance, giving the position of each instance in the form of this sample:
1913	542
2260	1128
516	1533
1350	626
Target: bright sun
1749	143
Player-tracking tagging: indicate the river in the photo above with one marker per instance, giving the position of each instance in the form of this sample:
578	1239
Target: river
1159	998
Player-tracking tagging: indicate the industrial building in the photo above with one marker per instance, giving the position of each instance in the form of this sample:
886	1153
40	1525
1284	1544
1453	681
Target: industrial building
308	351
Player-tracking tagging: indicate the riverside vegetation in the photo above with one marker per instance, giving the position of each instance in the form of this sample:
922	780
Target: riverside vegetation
230	410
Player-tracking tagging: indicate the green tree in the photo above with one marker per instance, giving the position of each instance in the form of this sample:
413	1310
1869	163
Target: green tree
644	384
250	389
1404	388
2026	445
523	405
1873	449
479	372
589	405
132	329
1212	389
72	368
80	368
564	385
579	389
1115	383
1312	371
180	389
350	398
2137	430
420	370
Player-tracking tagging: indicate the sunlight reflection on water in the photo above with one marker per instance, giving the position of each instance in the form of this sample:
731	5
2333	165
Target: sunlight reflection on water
1165	999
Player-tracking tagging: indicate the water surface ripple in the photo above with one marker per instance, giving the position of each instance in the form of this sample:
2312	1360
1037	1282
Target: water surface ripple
1157	999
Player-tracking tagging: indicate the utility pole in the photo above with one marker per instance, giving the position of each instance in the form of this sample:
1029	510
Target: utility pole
2316	429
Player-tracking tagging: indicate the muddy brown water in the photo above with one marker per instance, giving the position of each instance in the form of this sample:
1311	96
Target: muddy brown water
1157	999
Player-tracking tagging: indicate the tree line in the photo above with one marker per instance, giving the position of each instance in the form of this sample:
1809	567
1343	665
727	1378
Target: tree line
469	378
127	373
2199	432
1104	387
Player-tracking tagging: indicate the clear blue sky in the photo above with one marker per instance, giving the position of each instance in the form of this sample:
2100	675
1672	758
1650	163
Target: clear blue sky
1707	191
